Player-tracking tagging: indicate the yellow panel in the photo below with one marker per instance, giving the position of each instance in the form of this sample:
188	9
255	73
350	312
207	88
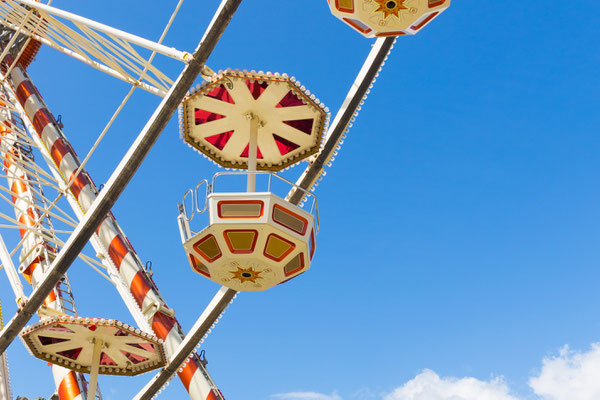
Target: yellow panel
208	248
241	241
345	5
277	247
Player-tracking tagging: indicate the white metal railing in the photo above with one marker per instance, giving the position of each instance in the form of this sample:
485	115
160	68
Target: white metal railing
194	195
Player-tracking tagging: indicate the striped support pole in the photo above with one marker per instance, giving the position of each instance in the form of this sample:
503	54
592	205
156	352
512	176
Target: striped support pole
35	249
119	251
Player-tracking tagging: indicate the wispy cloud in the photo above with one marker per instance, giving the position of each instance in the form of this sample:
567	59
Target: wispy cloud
306	396
566	376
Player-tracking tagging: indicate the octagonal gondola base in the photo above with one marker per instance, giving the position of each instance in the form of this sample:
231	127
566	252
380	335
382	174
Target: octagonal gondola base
254	241
380	18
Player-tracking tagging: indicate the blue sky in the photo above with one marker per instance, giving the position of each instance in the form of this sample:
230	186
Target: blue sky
459	223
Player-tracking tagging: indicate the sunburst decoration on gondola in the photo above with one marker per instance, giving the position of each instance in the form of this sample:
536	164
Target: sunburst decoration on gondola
390	7
246	274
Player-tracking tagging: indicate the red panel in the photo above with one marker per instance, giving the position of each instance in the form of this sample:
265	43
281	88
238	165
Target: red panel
256	89
291	99
106	360
426	20
46	340
219	140
134	358
71	354
220	93
247	151
285	146
203	116
303	125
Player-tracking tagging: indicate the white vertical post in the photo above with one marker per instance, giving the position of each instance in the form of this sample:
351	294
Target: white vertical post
94	370
252	152
11	272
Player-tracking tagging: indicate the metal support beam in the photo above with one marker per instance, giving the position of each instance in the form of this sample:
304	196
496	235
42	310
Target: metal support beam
122	174
221	300
357	92
77	19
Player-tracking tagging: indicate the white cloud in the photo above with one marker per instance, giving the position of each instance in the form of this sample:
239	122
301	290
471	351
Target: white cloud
307	396
429	386
570	375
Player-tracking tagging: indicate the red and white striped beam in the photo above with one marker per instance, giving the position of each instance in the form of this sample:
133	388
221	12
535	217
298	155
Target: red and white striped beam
35	249
119	251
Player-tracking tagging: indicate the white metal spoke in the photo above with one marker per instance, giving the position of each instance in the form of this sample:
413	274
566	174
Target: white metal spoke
273	94
292	113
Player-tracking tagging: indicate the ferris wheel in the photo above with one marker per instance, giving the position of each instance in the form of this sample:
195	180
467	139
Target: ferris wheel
253	124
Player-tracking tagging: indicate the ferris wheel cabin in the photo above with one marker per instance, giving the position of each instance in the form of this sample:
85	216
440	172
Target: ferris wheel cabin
254	240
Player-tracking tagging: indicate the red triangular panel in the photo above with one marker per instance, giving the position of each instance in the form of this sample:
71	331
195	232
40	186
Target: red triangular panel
304	125
284	145
203	116
219	140
72	354
247	151
106	360
256	89
220	93
291	99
